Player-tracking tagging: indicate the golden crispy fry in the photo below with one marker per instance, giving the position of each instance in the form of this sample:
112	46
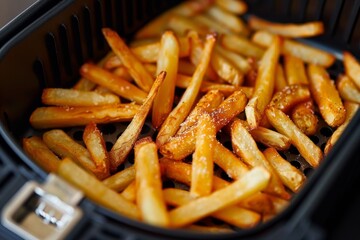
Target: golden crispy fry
292	177
168	62
305	52
120	180
202	162
95	144
64	146
211	24
122	72
252	182
348	89
283	124
57	117
236	59
149	196
351	109
229	20
326	96
136	69
234	6
264	85
126	141
245	147
295	70
242	46
309	29
181	172
207	103
103	90
181	25
280	80
96	190
304	117
180	112
289	97
234	215
76	98
41	154
225	70
184	144
130	192
352	68
270	138
117	85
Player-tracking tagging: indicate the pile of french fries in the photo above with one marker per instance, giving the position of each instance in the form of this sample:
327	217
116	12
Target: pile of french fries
252	81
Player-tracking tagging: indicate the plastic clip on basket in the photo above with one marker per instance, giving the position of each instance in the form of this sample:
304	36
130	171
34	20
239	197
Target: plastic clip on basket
48	53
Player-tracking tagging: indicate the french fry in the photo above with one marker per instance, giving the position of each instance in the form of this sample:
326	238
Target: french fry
96	190
179	113
309	29
181	25
239	217
130	192
280	80
208	229
229	20
352	67
207	103
95	144
289	97
295	70
149	196
184	144
120	180
252	182
109	80
245	147
57	117
126	141
326	96
186	67
64	146
303	115
136	69
305	52
202	163
292	177
348	89
236	59
264	85
168	62
242	46
225	70
235	6
41	154
351	109
270	138
76	98
283	124
211	24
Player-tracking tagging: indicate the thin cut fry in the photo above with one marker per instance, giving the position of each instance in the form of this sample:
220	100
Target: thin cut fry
120	180
326	96
280	80
351	109
289	97
95	144
295	70
225	70
245	147
235	6
309	29
292	177
348	89
211	24
76	98
96	190
270	138
149	196
179	113
126	141
136	69
234	215
242	46
304	117
305	52
58	117
202	163
264	85
168	62
252	182
236	59
181	25
41	154
283	124
109	80
352	68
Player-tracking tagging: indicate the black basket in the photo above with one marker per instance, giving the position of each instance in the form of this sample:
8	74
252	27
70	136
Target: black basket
48	53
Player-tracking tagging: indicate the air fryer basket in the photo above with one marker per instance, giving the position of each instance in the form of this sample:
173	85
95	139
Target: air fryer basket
49	52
